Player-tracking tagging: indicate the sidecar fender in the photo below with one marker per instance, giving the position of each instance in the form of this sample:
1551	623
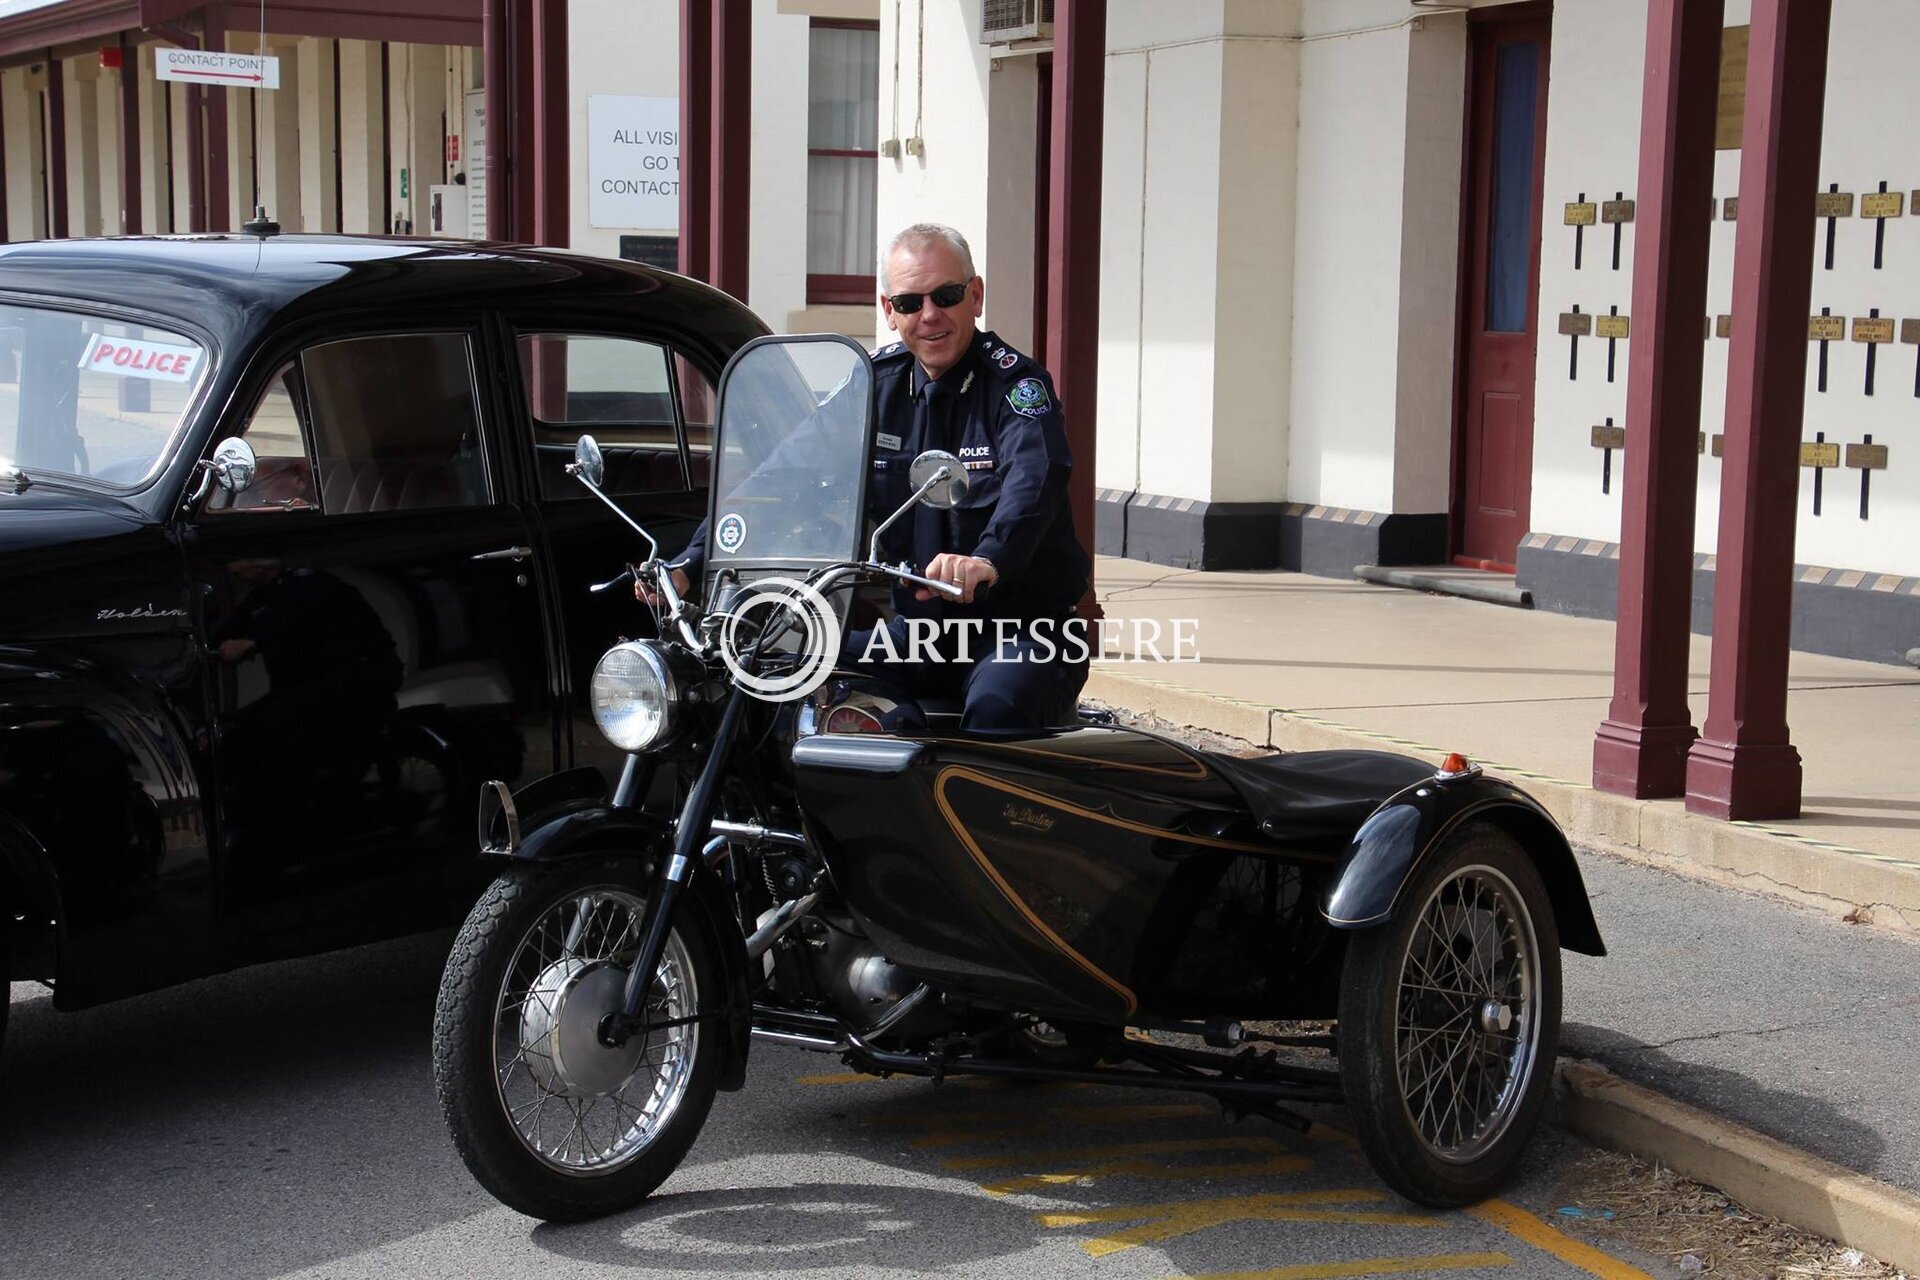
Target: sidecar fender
577	827
1391	845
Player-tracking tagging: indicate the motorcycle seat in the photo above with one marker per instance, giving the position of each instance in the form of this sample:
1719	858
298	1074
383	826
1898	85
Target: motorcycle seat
1317	792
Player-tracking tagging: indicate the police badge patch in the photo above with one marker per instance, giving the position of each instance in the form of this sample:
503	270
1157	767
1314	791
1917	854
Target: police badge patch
1029	397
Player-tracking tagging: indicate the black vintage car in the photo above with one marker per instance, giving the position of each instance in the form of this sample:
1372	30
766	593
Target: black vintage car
289	566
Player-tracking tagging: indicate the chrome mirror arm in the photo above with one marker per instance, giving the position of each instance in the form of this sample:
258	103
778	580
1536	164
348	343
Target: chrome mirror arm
873	544
653	547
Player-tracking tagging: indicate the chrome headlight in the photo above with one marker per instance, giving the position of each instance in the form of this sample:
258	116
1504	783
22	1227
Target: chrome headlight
635	698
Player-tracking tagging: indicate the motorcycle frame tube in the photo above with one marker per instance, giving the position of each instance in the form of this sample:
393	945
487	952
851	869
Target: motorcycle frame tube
602	829
1391	846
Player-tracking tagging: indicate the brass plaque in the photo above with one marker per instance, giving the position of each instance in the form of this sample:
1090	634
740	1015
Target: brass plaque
1826	328
1575	324
1883	204
1723	327
1617	211
1873	328
1820	455
1609	437
1833	204
1910	330
1867	457
1581	215
1719	444
1610	326
1700	442
1733	90
1730	209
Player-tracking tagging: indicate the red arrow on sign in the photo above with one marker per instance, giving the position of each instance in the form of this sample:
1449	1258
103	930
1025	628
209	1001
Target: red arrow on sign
220	75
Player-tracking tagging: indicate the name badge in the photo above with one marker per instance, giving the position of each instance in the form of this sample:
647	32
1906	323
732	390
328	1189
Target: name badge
886	441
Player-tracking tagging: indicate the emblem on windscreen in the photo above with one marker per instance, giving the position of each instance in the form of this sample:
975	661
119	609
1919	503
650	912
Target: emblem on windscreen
731	533
127	615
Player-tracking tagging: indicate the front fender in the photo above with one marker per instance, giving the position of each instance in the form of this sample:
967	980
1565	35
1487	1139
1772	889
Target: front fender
1391	845
578	826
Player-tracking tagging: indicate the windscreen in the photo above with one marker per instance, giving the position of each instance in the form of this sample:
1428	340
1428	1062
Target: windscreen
790	461
90	398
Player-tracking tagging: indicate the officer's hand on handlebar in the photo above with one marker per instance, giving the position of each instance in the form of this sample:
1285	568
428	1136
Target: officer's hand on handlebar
643	590
970	573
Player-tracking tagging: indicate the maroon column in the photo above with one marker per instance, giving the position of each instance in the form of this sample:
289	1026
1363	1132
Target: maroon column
4	237
696	135
550	130
496	57
129	138
521	185
1073	230
1744	765
732	146
1641	748
56	115
196	158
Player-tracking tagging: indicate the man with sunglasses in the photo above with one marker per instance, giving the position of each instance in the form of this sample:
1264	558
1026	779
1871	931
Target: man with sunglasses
1010	545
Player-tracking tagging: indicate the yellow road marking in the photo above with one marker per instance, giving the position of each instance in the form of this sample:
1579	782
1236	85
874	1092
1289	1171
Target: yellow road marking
1152	1170
1368	1267
1517	1222
1172	1147
1158	1222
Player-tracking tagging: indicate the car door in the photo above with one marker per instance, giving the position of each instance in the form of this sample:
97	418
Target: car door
648	401
373	613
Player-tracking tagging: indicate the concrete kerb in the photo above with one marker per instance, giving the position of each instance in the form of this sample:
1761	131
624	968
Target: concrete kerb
1763	1174
1833	878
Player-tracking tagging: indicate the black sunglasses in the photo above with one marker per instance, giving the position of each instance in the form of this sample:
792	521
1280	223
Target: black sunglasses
947	295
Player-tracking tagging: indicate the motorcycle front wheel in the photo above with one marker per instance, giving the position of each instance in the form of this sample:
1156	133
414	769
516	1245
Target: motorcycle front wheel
548	1119
1450	1020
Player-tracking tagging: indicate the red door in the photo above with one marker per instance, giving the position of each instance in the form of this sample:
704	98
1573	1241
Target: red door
1506	142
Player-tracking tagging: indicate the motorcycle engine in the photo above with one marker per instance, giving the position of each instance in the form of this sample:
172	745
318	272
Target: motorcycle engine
843	969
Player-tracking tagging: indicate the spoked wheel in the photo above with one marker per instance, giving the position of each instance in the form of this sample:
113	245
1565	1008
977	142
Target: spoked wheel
549	1119
1450	1020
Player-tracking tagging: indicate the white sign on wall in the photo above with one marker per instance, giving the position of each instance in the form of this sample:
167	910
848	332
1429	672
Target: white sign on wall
476	163
633	162
205	66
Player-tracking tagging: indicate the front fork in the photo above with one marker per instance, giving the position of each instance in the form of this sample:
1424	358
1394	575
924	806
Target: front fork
671	877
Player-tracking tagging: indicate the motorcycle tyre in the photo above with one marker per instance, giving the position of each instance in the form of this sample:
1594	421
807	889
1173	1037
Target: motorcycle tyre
1369	1076
463	1030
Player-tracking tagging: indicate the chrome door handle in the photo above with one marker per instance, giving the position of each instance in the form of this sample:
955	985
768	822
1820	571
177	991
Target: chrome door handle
506	553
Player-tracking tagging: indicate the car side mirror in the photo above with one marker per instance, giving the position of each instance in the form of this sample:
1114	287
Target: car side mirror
948	489
232	467
588	462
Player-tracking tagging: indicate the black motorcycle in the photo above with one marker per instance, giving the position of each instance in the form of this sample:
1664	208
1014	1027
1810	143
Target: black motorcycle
798	855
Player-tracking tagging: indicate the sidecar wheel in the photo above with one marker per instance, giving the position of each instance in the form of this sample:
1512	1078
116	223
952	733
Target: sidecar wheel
549	1120
1450	1020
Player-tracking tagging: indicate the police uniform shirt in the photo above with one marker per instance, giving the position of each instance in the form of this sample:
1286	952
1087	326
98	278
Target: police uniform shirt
996	410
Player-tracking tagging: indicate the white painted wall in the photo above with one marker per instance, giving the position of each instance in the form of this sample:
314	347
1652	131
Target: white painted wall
1592	145
156	148
77	77
362	195
318	137
20	116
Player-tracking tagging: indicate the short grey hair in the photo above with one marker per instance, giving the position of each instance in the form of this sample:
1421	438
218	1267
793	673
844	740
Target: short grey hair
923	235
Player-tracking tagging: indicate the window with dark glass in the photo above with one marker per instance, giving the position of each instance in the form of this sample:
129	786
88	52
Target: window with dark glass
843	165
649	409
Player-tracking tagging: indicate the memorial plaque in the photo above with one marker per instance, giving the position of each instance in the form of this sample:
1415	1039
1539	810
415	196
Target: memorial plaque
1719	444
1723	327
1617	211
1833	204
1826	328
1609	437
1730	209
1873	328
1733	90
1882	204
1610	326
1910	330
1820	455
1575	324
1867	457
1581	215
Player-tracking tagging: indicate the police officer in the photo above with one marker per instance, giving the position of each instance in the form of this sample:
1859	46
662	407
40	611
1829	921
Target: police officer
1005	647
1010	647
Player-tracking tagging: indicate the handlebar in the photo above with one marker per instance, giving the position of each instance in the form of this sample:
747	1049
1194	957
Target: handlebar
625	575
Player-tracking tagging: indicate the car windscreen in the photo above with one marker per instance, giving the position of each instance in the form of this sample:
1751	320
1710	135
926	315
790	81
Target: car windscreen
92	398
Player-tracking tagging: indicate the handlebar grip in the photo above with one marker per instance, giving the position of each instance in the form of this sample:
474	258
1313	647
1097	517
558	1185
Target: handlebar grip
623	576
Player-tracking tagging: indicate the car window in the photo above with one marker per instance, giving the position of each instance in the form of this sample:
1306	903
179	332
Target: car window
283	447
639	400
395	423
95	399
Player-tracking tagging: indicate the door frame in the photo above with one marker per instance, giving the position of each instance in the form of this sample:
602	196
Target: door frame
1530	11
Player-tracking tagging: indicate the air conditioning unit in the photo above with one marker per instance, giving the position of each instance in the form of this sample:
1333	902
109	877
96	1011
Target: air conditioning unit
1008	21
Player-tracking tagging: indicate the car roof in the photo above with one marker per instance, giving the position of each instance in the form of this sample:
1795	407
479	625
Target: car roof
236	282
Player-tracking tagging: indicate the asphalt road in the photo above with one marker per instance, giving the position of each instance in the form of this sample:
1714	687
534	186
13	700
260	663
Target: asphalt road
281	1122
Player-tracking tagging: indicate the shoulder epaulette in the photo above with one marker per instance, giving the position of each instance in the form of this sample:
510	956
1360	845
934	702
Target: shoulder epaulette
889	351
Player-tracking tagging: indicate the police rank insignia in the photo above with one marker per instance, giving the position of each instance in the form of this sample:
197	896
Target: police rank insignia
1006	359
1029	397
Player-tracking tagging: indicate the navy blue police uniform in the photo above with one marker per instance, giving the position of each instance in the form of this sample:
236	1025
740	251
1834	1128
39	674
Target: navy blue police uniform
996	410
